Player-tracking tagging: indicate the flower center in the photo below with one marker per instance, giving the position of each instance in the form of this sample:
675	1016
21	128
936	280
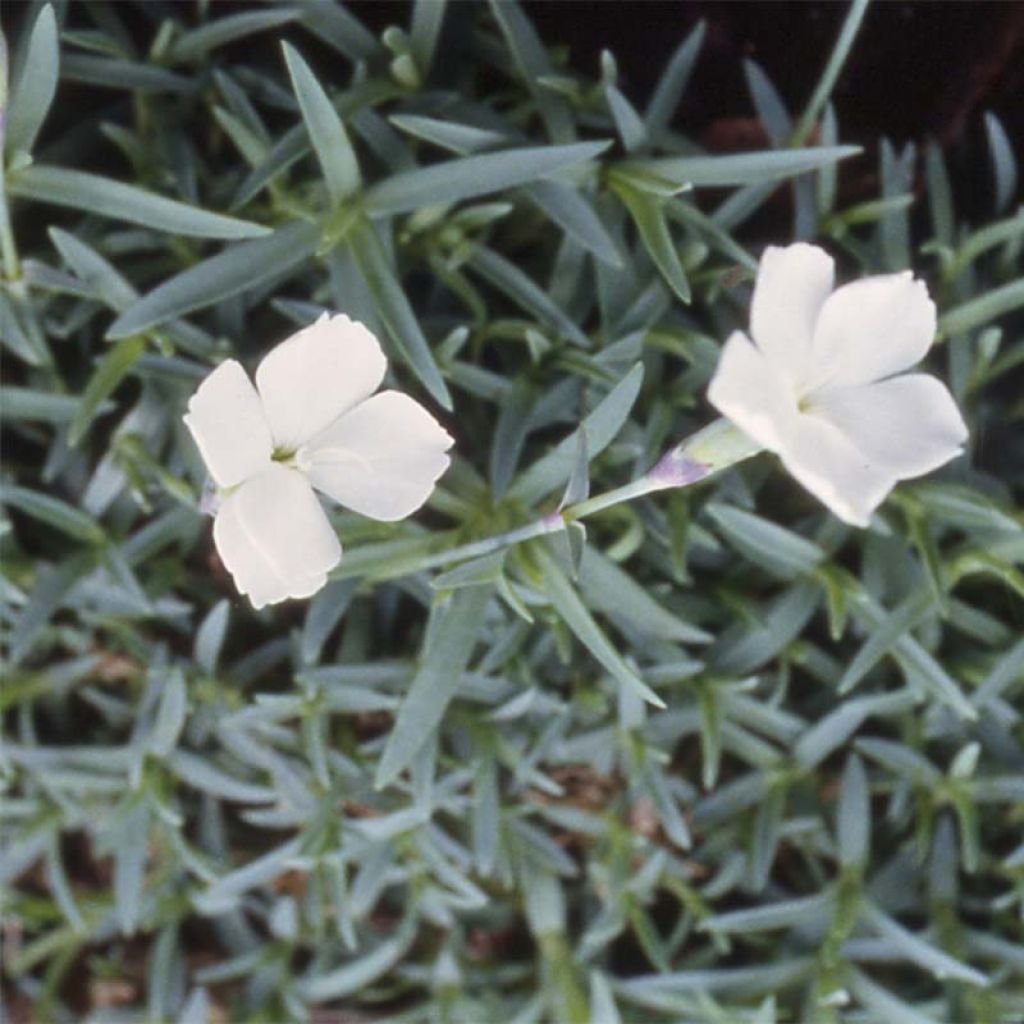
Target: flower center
292	458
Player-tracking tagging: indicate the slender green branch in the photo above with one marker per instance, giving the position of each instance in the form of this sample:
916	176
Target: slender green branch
479	548
636	489
8	250
700	457
562	973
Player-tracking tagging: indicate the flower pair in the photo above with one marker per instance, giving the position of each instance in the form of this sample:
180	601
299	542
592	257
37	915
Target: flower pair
820	384
311	421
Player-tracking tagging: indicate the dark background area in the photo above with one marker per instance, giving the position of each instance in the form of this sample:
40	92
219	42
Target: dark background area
919	69
916	69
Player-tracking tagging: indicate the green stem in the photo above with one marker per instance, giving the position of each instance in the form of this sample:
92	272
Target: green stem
478	548
8	250
627	492
558	959
698	458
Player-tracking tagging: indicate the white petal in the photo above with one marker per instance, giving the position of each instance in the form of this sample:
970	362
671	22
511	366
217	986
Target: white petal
820	456
314	376
249	567
274	538
381	459
227	422
751	391
909	425
792	285
871	329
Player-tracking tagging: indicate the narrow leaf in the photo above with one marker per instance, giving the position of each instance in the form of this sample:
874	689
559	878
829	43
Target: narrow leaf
130	850
340	29
229	273
854	821
979	311
474	573
113	368
395	312
601	425
454	632
210	636
768	103
567	603
92	268
170	716
51	587
614	592
198	42
456	180
95	194
531	59
578	487
764	543
427	18
111	73
940	964
356	975
1004	163
648	214
743	168
459	138
44	406
326	130
54	512
574	215
672	84
32	94
509	279
632	130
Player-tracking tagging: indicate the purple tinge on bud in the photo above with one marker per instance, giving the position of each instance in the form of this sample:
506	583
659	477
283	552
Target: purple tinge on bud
677	469
553	521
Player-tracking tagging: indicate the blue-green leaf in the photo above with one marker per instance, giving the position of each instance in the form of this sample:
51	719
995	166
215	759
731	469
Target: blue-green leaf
454	633
198	42
574	214
743	168
229	273
553	470
54	512
113	368
95	194
459	138
1004	163
573	611
326	130
32	94
95	270
672	84
508	278
394	310
112	73
456	180
648	214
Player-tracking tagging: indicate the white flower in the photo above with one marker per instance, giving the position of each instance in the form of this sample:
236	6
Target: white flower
309	422
821	384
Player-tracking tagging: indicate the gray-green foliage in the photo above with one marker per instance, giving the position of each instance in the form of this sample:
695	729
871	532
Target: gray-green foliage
435	791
